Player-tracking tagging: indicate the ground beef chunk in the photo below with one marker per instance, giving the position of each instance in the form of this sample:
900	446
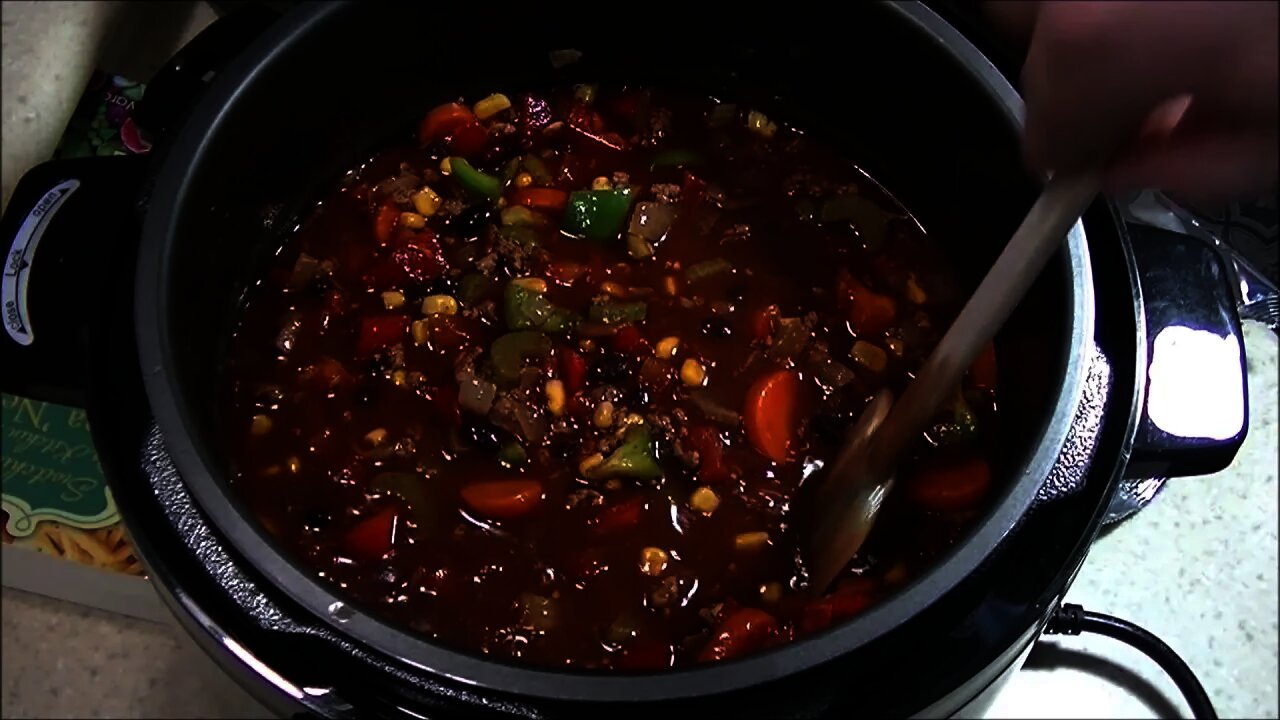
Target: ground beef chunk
665	192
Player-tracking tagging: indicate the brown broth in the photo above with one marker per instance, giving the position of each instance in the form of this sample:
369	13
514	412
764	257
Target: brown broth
481	584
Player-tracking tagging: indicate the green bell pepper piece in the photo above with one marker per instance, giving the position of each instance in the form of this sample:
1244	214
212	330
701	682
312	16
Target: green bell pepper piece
477	184
636	458
676	157
961	427
870	219
706	269
472	287
525	309
509	353
617	313
537	169
512	455
597	215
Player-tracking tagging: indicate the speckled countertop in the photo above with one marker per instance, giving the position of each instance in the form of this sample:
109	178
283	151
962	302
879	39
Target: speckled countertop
1198	567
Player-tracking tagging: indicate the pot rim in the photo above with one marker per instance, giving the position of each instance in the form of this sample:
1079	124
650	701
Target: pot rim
193	459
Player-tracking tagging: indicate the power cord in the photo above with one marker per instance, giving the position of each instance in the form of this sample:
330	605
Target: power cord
1070	619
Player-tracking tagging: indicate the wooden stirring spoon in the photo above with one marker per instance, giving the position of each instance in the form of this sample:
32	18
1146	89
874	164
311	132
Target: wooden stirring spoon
851	494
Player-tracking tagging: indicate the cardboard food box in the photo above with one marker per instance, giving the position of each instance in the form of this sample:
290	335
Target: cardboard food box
62	535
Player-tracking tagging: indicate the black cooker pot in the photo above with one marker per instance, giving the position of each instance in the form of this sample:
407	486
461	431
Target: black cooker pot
248	139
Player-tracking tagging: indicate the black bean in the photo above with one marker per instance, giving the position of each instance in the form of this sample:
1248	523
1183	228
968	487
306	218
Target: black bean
611	370
716	327
481	436
316	521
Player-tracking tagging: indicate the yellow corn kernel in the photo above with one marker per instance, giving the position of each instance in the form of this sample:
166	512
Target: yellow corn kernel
421	331
294	464
666	347
653	561
399	377
524	180
897	574
392	299
601	183
439	305
490	106
412	220
555	397
612	288
669	285
532	284
751	541
771	593
704	500
869	356
603	416
914	292
632	419
376	436
692	373
446	167
590	462
760	124
425	201
260	425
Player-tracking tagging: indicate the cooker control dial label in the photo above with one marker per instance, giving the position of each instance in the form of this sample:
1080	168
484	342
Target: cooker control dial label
17	266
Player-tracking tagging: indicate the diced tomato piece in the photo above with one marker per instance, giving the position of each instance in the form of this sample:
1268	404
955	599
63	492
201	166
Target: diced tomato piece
573	370
762	323
566	273
373	537
442	121
334	302
326	374
538	198
740	632
445	400
845	602
504	499
469	140
628	340
951	486
706	442
870	312
577	408
384	223
420	258
616	518
448	332
983	371
770	413
380	332
582	117
588	563
653	655
692	190
590	125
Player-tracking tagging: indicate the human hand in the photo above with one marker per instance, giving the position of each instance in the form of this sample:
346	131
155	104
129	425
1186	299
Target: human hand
1180	96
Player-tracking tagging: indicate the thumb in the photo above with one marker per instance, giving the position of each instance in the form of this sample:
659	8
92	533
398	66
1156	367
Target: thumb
1201	167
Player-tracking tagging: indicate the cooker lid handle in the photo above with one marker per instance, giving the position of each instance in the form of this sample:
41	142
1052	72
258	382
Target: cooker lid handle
1195	413
69	225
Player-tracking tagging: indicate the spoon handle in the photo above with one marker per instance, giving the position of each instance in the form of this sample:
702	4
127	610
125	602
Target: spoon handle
1063	200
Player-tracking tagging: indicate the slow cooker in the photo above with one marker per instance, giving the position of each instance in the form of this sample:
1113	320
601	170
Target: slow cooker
124	275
